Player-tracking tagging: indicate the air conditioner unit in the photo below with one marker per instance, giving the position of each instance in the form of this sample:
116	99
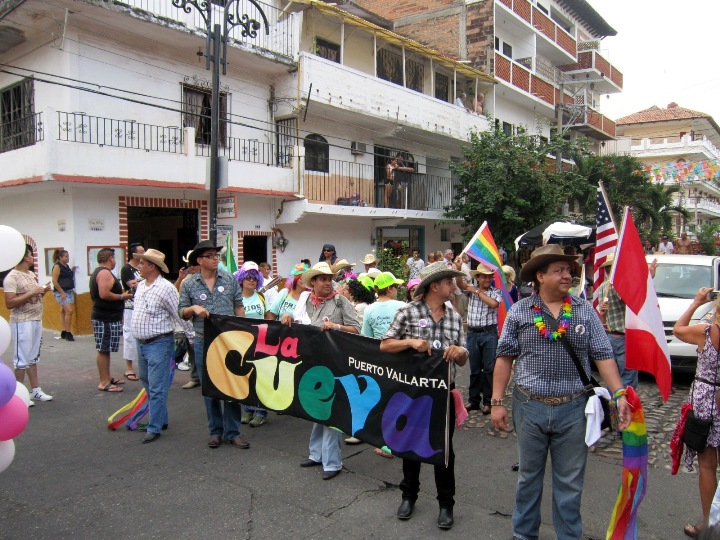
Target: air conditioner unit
358	148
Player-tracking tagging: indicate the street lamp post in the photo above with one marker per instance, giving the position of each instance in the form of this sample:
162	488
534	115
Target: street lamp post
217	34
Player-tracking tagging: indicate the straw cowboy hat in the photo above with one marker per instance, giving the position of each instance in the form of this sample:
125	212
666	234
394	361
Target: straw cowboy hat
342	263
482	270
198	250
369	259
320	269
609	260
545	255
435	272
157	258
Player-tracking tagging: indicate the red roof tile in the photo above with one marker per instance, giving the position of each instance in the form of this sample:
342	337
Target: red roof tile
656	114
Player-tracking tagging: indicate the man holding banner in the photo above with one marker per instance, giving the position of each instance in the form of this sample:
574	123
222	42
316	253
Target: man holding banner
424	325
323	307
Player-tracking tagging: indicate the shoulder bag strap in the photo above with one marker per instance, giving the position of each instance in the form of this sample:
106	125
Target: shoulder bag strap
588	382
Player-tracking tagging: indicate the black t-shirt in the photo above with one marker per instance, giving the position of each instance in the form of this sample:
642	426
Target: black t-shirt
128	273
105	310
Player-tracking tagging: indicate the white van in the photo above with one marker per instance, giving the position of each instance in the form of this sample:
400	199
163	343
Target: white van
677	280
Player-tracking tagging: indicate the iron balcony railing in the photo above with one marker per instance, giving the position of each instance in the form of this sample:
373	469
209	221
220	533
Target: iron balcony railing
354	184
251	151
279	40
83	128
21	132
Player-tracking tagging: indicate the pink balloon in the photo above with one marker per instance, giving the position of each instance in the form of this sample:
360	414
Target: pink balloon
14	416
7	384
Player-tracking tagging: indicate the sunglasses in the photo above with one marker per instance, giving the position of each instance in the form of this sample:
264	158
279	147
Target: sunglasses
328	250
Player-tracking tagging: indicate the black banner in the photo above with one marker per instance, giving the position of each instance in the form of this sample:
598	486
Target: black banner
333	378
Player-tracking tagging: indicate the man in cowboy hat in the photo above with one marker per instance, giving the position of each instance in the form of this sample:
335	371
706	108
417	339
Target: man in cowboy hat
612	316
549	397
482	336
426	324
153	326
370	261
212	291
323	307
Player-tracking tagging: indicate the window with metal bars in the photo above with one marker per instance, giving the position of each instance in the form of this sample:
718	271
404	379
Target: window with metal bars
327	49
317	153
286	135
390	68
196	113
17	116
442	87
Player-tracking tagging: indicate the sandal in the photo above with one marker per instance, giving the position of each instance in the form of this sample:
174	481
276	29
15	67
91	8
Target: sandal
110	388
693	531
116	381
130	376
382	453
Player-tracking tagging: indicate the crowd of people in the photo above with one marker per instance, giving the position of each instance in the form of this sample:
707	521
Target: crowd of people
547	340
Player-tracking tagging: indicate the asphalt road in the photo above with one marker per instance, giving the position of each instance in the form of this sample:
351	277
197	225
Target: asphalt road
74	478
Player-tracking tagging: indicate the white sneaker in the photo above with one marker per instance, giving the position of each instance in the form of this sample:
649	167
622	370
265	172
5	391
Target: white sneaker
37	393
184	366
32	404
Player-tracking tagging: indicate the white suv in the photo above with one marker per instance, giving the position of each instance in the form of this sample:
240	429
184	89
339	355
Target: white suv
677	280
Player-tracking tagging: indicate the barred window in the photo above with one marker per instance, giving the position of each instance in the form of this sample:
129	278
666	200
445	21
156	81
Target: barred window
196	113
327	49
17	115
317	153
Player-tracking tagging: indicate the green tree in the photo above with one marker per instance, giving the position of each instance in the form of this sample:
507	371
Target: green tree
706	236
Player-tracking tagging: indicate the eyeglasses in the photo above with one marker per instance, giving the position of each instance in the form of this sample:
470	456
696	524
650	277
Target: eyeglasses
215	256
331	250
251	278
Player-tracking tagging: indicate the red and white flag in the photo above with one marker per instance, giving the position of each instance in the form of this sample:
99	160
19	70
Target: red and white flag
645	345
606	240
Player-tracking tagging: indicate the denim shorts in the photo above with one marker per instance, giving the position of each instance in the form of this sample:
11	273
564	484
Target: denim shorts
69	297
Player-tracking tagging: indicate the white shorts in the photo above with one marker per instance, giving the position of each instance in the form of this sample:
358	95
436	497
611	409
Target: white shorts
27	337
129	350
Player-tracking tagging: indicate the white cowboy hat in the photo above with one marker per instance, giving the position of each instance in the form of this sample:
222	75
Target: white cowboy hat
320	269
157	258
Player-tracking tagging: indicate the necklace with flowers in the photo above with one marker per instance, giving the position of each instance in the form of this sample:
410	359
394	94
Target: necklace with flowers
563	324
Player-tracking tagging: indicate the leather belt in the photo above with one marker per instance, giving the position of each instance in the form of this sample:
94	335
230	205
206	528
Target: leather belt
150	340
700	379
549	400
488	328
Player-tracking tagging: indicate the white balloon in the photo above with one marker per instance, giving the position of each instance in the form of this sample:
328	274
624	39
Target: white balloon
22	392
4	335
7	454
13	247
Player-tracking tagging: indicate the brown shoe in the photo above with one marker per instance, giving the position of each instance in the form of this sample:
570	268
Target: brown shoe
237	442
214	441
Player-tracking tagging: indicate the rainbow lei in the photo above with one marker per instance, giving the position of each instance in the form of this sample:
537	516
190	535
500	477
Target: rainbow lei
563	324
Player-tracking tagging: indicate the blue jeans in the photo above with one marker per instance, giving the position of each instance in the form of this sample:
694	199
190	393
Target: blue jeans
154	368
559	429
481	347
223	416
325	447
629	376
255	410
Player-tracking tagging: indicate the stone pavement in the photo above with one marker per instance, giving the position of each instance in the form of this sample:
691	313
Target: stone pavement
73	478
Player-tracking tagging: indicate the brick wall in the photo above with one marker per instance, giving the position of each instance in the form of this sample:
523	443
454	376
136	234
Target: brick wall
440	33
480	36
404	8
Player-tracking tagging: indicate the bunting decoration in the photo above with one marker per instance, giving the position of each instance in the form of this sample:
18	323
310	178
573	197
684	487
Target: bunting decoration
684	171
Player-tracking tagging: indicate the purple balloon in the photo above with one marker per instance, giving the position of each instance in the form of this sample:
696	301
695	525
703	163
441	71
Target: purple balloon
7	384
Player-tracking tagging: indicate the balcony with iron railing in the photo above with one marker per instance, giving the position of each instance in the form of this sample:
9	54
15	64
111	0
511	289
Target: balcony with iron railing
538	83
561	40
281	39
355	184
21	132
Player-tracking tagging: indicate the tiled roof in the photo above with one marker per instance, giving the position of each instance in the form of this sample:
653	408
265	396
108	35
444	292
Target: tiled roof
656	114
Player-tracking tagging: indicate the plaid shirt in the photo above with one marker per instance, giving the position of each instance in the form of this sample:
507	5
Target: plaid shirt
543	366
414	321
615	317
479	313
156	310
226	294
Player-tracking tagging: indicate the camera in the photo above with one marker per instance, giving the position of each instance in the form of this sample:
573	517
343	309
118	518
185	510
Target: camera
713	295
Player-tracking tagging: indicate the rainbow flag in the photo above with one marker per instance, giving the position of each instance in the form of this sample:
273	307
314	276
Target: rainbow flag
482	248
623	523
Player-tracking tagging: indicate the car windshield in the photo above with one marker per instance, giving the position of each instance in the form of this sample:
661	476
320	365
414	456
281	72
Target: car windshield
681	281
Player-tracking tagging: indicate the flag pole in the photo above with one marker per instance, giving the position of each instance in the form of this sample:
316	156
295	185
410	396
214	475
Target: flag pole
626	211
474	236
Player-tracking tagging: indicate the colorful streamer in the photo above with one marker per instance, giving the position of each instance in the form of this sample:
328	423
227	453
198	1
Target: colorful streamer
120	416
623	523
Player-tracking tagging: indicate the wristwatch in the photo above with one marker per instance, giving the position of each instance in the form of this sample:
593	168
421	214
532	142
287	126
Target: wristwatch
496	403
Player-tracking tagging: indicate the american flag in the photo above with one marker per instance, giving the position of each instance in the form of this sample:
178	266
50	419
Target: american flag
606	240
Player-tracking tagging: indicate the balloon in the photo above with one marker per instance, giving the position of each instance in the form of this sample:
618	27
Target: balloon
22	392
14	416
13	247
7	454
4	335
7	384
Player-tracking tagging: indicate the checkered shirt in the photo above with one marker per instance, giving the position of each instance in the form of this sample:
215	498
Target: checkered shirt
479	313
156	310
195	292
615	317
414	321
543	366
